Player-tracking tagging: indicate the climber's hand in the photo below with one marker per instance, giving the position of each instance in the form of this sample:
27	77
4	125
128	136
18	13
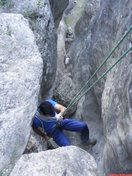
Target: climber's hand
59	116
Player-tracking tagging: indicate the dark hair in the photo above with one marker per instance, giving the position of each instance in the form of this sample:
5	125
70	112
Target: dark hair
46	108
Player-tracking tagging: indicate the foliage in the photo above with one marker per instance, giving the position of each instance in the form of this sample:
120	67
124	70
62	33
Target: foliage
30	14
40	4
5	2
67	19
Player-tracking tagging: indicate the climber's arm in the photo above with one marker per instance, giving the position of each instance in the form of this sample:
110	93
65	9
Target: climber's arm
60	108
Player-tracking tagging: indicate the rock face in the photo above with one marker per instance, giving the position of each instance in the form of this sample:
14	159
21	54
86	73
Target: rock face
39	14
62	161
58	8
107	108
20	76
117	94
89	108
101	25
65	92
117	118
38	144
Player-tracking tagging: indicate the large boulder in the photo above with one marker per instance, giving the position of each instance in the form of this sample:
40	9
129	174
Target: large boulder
20	76
41	21
62	161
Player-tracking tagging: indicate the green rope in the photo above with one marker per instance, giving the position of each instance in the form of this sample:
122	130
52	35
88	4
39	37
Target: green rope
120	58
75	99
104	61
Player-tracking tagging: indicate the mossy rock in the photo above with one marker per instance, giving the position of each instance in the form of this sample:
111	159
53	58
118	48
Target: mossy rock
76	13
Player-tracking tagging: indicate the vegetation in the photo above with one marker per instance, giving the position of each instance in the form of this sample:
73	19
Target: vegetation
67	19
5	2
40	4
30	14
76	13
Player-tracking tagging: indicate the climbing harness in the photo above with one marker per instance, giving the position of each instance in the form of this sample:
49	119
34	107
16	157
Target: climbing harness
42	118
56	126
85	88
49	144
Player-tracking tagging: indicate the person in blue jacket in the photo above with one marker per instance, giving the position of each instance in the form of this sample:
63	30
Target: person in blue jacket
46	118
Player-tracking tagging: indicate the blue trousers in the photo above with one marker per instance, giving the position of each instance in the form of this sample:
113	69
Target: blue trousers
70	125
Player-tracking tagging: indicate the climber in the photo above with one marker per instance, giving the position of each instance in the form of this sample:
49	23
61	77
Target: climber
68	65
48	119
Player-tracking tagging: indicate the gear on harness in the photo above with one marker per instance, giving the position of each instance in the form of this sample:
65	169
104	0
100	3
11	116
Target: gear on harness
49	119
57	125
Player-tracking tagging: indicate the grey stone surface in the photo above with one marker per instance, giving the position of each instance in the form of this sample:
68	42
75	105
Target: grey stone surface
96	33
64	71
117	119
58	8
20	77
64	93
117	104
89	109
115	18
39	14
101	24
37	144
70	161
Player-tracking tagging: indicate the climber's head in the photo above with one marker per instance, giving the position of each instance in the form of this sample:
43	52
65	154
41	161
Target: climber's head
46	109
